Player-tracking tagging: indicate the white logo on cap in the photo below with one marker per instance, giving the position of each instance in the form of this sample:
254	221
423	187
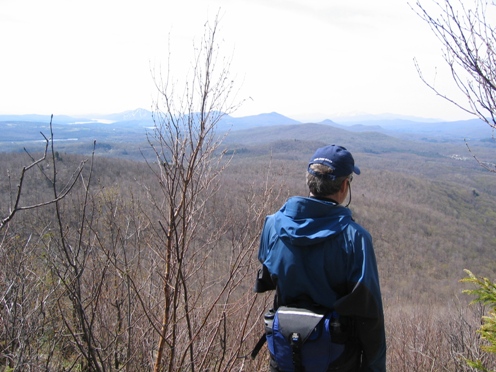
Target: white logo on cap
323	159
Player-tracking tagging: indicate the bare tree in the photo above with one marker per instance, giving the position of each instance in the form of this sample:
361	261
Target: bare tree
26	300
188	164
467	33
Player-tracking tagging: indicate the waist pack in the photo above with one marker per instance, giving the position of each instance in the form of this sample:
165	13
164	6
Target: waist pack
304	340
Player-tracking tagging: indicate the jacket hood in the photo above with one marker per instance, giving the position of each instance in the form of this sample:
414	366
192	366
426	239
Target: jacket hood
307	221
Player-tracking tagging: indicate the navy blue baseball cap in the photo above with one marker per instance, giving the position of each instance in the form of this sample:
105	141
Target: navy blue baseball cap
335	157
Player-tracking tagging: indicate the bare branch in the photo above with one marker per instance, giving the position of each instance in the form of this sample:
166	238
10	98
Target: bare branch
16	208
468	40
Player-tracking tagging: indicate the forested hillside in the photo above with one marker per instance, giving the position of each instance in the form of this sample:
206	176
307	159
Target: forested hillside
432	214
100	250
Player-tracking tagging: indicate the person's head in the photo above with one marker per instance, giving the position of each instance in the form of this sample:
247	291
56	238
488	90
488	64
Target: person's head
330	171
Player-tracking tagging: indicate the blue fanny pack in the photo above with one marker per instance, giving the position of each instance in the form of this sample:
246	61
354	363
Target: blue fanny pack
302	339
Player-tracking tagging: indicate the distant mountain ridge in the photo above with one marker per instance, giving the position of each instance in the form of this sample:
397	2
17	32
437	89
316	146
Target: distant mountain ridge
138	114
16	127
255	121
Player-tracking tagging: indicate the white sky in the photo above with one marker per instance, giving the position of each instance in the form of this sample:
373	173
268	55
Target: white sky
300	58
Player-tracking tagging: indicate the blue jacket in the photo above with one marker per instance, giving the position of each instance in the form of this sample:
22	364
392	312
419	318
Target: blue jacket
314	251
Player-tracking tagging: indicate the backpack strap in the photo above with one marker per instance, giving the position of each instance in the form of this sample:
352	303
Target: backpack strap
258	346
296	351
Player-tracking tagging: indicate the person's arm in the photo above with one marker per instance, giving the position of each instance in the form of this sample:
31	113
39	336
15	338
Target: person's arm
364	303
264	281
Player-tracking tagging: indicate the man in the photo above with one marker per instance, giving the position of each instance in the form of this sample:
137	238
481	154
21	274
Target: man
315	254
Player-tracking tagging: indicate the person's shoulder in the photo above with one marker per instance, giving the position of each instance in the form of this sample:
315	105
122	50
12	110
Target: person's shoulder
269	221
269	218
356	228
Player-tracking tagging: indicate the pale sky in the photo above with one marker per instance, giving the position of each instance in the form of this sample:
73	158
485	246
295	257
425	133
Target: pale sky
305	59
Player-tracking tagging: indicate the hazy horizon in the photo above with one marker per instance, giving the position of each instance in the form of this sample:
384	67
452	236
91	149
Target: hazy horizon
300	58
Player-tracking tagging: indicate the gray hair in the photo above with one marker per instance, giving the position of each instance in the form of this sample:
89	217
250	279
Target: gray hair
322	186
